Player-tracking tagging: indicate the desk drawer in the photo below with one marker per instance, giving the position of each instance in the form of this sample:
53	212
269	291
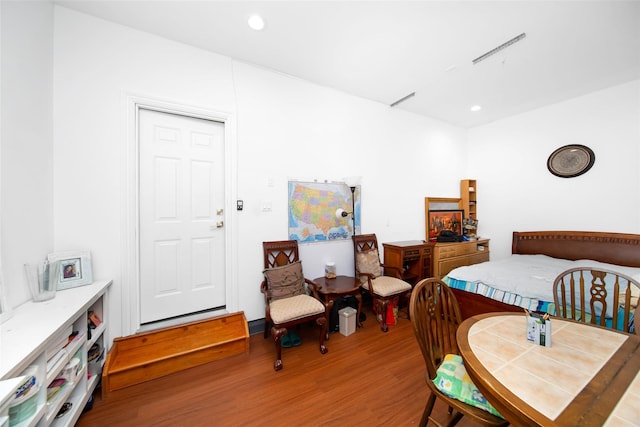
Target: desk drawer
455	250
459	249
411	255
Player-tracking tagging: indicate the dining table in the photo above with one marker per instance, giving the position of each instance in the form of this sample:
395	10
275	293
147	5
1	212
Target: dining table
589	376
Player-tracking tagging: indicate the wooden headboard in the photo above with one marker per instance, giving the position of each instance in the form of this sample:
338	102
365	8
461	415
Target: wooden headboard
612	248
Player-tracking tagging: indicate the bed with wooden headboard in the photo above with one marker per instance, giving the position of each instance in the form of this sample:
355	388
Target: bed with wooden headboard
611	248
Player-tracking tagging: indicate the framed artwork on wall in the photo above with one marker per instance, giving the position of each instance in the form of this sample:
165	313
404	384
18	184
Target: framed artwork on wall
75	268
440	220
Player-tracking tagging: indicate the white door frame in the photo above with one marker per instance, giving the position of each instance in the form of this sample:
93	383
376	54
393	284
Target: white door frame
130	302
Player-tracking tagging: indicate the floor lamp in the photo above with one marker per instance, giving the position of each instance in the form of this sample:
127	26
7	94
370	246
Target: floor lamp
352	182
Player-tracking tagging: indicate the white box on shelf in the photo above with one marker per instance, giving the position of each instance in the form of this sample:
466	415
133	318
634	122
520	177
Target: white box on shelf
347	320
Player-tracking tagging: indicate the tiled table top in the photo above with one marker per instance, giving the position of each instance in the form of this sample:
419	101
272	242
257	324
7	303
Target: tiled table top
548	378
627	412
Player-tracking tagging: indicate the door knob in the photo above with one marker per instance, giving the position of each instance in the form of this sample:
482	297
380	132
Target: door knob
220	224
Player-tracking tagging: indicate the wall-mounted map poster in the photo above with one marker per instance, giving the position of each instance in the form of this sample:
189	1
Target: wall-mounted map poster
312	211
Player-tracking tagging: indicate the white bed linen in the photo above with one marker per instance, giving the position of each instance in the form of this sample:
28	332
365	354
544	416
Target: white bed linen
529	276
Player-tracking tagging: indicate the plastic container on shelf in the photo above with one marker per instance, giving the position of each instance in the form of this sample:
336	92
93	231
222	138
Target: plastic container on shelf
42	280
70	371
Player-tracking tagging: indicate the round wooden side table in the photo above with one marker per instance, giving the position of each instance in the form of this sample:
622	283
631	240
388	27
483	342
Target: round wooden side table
332	289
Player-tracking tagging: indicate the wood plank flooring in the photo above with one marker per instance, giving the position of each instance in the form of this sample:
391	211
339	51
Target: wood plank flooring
368	378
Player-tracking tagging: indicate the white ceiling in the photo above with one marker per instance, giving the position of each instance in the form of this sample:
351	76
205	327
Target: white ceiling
385	50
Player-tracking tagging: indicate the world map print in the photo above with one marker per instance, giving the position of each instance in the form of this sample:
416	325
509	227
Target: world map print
312	211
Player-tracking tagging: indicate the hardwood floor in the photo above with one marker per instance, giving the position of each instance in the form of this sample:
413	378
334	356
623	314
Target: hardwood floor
368	378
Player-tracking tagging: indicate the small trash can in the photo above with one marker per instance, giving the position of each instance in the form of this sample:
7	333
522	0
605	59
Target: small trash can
347	320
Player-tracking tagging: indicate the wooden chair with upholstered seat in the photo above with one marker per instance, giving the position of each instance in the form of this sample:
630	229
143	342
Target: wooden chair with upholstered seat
290	298
586	293
435	317
384	284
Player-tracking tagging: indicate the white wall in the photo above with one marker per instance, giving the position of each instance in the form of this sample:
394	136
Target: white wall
282	136
517	192
26	141
286	129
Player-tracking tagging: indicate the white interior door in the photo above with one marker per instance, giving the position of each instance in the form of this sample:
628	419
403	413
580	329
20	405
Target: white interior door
182	260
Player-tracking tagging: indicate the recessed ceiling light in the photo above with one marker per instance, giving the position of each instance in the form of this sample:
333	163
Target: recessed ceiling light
476	108
256	22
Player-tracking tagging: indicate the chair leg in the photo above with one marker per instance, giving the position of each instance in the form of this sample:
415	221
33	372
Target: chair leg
277	334
453	421
384	303
427	410
266	327
408	298
322	322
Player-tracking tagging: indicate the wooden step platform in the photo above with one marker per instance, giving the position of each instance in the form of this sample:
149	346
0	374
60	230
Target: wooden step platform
146	356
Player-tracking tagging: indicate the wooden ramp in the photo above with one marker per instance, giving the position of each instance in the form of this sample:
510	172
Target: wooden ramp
146	356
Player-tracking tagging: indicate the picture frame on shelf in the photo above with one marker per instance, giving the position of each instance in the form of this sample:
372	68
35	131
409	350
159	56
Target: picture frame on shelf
440	220
75	268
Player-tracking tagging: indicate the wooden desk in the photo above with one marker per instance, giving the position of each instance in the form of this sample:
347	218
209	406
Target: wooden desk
332	289
588	377
411	257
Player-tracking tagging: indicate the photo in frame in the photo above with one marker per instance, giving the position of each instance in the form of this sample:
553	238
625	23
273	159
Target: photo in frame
440	220
75	268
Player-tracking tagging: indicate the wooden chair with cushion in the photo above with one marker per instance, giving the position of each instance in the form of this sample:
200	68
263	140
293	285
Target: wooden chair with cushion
286	294
384	284
435	317
585	293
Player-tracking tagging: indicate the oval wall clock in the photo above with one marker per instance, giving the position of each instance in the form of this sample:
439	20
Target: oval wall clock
571	160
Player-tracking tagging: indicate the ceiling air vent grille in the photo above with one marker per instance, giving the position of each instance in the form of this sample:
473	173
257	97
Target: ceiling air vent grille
499	48
404	98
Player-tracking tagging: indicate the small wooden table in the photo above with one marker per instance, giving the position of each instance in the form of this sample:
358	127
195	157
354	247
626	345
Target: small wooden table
332	289
588	377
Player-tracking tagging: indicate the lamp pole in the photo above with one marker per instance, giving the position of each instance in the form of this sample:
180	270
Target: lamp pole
353	208
353	182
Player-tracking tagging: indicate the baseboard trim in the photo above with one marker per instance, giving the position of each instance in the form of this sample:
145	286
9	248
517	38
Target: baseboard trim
256	326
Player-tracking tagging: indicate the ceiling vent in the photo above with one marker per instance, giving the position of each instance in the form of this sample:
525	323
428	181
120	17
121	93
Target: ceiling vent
403	99
499	48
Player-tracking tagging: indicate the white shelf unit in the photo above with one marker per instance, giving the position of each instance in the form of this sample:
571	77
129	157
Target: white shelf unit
31	336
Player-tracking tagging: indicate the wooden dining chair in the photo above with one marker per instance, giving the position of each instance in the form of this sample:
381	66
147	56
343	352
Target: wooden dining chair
435	317
598	297
290	298
383	283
